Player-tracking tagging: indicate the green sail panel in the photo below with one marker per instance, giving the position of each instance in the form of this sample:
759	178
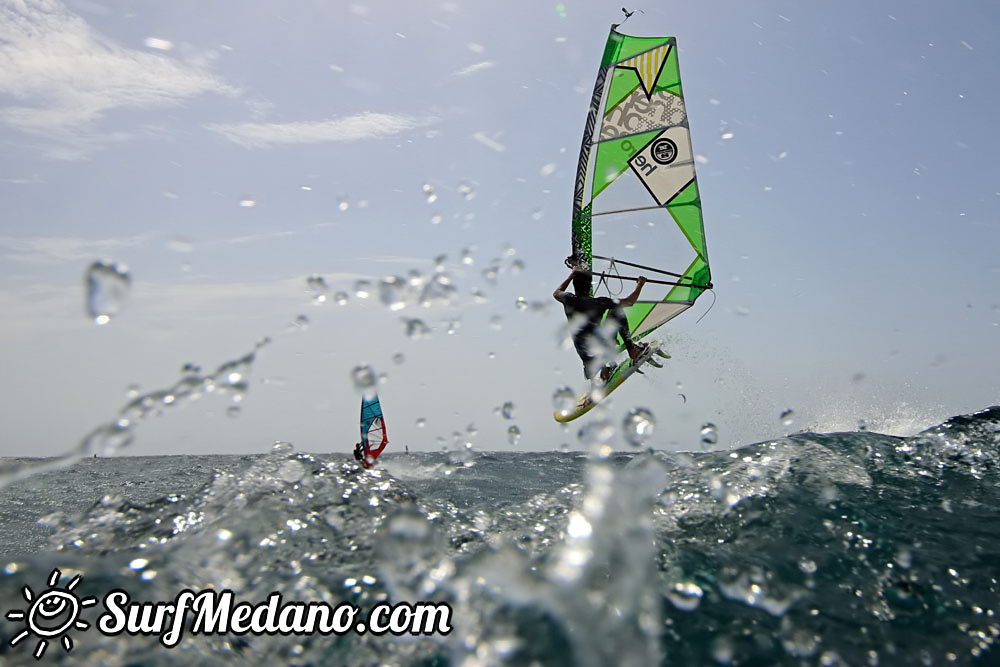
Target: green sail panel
637	208
611	158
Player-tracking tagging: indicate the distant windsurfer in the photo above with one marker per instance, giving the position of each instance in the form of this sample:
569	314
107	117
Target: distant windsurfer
586	312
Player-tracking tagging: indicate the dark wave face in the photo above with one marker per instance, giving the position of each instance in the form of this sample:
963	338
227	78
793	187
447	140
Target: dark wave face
819	549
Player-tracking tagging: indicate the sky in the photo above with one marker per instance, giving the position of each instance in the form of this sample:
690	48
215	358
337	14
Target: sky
227	153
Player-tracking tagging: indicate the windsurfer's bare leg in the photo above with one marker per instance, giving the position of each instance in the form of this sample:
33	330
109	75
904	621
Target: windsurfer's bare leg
581	343
634	349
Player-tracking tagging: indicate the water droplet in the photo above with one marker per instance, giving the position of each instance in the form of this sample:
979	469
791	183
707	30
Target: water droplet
521	303
725	133
548	169
282	448
317	286
429	193
158	43
862	425
563	400
496	323
807	566
436	219
517	266
107	285
638	426
132	391
598	434
364	381
467	256
513	435
465	189
709	434
392	293
342	203
507	410
414	279
723	651
416	329
421	422
536	214
300	323
787	417
438	290
340	298
233	411
685	595
248	202
398	358
453	326
362	289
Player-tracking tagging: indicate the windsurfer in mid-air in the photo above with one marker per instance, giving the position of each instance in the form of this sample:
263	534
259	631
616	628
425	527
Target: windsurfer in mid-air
586	312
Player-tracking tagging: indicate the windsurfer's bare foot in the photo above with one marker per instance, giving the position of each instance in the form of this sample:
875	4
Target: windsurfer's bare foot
636	350
605	374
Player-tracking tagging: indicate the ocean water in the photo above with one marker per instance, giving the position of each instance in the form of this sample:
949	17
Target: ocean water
815	549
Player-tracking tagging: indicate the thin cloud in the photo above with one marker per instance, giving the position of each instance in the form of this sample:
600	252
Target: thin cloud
34	179
366	125
31	309
65	77
58	249
471	69
253	238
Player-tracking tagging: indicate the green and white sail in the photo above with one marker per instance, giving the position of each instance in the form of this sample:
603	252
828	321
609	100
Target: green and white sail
637	209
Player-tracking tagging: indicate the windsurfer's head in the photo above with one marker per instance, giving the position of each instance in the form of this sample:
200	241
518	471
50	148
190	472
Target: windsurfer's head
581	282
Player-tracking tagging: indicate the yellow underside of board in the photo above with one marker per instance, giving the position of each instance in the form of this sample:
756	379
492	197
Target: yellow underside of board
586	401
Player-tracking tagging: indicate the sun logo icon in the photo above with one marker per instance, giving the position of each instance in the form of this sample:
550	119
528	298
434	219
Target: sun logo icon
51	614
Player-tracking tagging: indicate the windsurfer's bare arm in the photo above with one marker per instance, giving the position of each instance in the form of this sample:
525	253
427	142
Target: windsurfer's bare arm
634	296
563	285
